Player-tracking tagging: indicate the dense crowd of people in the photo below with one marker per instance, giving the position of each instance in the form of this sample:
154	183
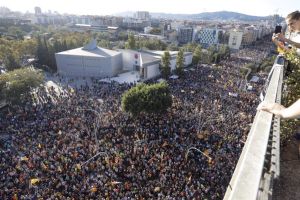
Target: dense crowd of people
47	146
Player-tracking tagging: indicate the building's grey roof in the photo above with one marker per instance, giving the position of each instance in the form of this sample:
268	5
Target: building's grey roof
146	57
90	50
92	45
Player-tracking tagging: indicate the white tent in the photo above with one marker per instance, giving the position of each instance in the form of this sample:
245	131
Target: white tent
174	77
254	79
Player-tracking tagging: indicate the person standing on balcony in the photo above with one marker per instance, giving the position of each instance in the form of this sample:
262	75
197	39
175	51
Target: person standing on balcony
293	22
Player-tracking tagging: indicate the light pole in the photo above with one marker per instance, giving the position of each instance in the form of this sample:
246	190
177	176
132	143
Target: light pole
98	154
209	120
97	122
194	148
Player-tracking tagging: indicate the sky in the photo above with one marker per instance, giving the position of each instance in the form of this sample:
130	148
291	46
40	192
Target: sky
110	7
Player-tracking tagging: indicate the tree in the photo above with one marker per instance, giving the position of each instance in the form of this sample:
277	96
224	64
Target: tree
155	31
122	35
179	63
224	51
46	53
197	55
155	98
211	53
10	62
105	44
41	52
190	47
16	31
172	47
16	85
165	68
131	42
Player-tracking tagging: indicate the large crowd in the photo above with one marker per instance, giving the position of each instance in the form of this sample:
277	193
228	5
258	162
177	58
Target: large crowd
47	146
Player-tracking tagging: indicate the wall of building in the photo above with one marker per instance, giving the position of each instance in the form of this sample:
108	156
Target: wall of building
152	71
130	59
185	35
69	65
188	59
84	66
173	63
116	63
235	39
98	66
208	36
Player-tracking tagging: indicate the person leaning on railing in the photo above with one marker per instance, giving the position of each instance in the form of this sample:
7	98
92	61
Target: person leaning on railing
293	22
290	112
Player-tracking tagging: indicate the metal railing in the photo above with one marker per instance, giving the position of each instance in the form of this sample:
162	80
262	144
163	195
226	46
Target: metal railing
258	164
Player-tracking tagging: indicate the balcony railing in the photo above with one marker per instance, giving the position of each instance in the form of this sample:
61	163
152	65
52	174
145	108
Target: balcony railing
259	163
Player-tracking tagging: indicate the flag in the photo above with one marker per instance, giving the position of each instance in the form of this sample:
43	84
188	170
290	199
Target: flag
34	181
44	166
206	152
24	158
165	144
115	182
107	160
15	197
156	189
59	169
200	136
94	189
78	167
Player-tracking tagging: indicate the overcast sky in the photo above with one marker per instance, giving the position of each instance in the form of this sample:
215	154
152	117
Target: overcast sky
109	7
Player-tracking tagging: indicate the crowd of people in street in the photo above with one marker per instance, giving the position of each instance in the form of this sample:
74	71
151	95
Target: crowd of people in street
77	143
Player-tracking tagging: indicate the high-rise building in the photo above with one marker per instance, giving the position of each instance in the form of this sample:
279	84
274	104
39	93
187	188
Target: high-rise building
37	10
235	39
185	35
250	35
208	36
143	15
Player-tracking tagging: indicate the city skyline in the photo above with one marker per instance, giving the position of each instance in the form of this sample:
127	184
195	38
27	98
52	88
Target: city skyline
254	7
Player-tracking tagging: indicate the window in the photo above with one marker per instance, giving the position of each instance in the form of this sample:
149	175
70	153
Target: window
234	40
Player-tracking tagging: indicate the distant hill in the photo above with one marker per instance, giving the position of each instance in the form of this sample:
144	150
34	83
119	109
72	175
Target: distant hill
221	15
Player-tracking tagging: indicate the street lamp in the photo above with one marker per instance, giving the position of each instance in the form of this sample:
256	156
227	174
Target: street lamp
194	148
209	120
97	122
98	154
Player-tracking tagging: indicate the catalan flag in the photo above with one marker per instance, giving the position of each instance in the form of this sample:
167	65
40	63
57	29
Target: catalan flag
34	181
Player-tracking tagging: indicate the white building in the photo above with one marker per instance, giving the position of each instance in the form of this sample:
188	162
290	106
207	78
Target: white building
235	39
250	35
148	29
147	62
89	61
92	61
185	34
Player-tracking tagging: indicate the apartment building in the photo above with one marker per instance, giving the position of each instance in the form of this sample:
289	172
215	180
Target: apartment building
235	39
185	34
208	36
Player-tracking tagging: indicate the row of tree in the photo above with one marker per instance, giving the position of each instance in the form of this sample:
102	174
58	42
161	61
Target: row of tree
12	52
165	66
143	43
